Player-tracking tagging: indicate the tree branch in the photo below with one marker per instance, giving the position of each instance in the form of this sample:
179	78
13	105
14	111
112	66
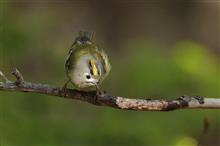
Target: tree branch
183	102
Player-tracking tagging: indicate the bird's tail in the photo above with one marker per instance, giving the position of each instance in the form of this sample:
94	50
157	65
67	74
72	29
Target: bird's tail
85	37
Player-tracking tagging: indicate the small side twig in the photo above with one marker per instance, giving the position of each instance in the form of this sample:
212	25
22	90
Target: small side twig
206	125
19	77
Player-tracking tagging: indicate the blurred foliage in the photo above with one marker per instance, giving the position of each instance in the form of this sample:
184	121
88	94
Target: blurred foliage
142	68
187	141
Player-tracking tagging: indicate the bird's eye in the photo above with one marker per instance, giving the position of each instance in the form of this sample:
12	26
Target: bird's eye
88	76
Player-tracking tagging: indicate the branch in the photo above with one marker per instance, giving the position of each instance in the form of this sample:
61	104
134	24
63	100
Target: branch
103	99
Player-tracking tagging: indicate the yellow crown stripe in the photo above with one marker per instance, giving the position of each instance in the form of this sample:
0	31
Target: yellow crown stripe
93	67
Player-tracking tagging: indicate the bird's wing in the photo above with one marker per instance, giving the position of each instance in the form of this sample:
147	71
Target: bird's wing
105	62
67	62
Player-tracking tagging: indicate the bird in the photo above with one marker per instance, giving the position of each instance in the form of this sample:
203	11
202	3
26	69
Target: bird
86	65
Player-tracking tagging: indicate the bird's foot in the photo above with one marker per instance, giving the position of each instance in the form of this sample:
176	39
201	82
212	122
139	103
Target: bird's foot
99	94
64	89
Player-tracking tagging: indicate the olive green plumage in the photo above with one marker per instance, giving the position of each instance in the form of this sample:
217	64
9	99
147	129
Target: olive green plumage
86	65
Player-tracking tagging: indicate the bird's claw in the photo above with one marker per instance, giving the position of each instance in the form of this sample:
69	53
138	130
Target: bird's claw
64	89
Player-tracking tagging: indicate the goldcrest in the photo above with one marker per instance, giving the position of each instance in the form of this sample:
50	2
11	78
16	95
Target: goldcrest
87	65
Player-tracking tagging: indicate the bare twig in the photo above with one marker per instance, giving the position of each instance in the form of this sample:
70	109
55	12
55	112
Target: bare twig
206	125
182	102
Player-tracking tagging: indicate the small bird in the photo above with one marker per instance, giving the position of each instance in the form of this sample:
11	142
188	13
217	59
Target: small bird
87	65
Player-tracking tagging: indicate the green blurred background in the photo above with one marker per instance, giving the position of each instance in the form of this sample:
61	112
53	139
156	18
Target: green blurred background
157	49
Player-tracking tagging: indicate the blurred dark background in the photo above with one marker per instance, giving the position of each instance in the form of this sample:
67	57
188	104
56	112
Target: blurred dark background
157	49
